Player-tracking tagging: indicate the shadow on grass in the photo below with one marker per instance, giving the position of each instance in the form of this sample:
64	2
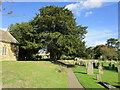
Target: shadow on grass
112	69
54	62
63	64
35	60
80	72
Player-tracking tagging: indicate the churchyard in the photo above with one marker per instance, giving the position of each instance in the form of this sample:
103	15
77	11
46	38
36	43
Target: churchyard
91	72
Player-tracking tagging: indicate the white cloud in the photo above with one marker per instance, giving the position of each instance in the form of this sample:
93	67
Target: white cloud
84	5
98	37
100	43
88	13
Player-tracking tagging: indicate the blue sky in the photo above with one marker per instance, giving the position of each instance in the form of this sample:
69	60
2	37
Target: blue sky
100	17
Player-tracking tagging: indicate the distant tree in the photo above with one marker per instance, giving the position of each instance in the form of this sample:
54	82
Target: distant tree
58	32
112	42
90	53
105	52
26	36
97	51
110	53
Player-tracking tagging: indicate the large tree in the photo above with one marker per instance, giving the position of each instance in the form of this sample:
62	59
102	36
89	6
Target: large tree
58	32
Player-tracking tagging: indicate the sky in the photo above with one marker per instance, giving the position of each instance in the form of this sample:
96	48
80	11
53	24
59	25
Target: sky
101	17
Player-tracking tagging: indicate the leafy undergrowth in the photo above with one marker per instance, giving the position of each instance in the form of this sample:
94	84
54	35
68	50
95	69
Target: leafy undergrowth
32	74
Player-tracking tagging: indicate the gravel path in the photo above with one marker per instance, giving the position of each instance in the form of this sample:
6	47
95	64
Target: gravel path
73	81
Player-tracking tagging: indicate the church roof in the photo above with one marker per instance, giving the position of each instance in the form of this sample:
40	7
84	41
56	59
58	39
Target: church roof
5	36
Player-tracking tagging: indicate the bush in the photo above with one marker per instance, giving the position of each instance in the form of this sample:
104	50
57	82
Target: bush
37	57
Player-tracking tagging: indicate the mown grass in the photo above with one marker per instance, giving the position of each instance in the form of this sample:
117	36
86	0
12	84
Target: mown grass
32	74
90	81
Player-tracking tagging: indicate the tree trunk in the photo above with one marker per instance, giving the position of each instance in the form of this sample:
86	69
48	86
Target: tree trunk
53	55
58	56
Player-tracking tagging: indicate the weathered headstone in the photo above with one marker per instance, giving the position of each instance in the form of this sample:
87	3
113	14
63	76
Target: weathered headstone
118	68
90	68
86	64
96	64
99	77
100	69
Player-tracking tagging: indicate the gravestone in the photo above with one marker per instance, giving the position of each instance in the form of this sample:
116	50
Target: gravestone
118	68
100	69
99	77
86	64
90	68
96	64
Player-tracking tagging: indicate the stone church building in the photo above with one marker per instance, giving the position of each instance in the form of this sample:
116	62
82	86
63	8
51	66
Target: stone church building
9	47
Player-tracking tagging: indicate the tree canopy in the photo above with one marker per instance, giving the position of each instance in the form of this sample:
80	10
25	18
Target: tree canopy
53	28
26	36
59	31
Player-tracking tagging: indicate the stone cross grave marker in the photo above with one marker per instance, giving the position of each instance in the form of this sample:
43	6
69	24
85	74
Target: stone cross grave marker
99	77
100	69
90	68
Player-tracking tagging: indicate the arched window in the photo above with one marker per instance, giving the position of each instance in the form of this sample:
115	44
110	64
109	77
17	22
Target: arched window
4	50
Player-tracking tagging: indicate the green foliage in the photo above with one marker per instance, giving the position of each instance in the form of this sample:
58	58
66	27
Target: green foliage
108	52
97	51
90	53
58	32
64	57
105	52
26	36
36	57
112	42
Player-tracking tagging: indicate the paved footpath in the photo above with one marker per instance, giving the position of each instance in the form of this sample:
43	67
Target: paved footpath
72	80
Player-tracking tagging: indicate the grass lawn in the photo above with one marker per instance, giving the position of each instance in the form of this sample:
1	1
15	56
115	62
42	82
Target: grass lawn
89	81
32	74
